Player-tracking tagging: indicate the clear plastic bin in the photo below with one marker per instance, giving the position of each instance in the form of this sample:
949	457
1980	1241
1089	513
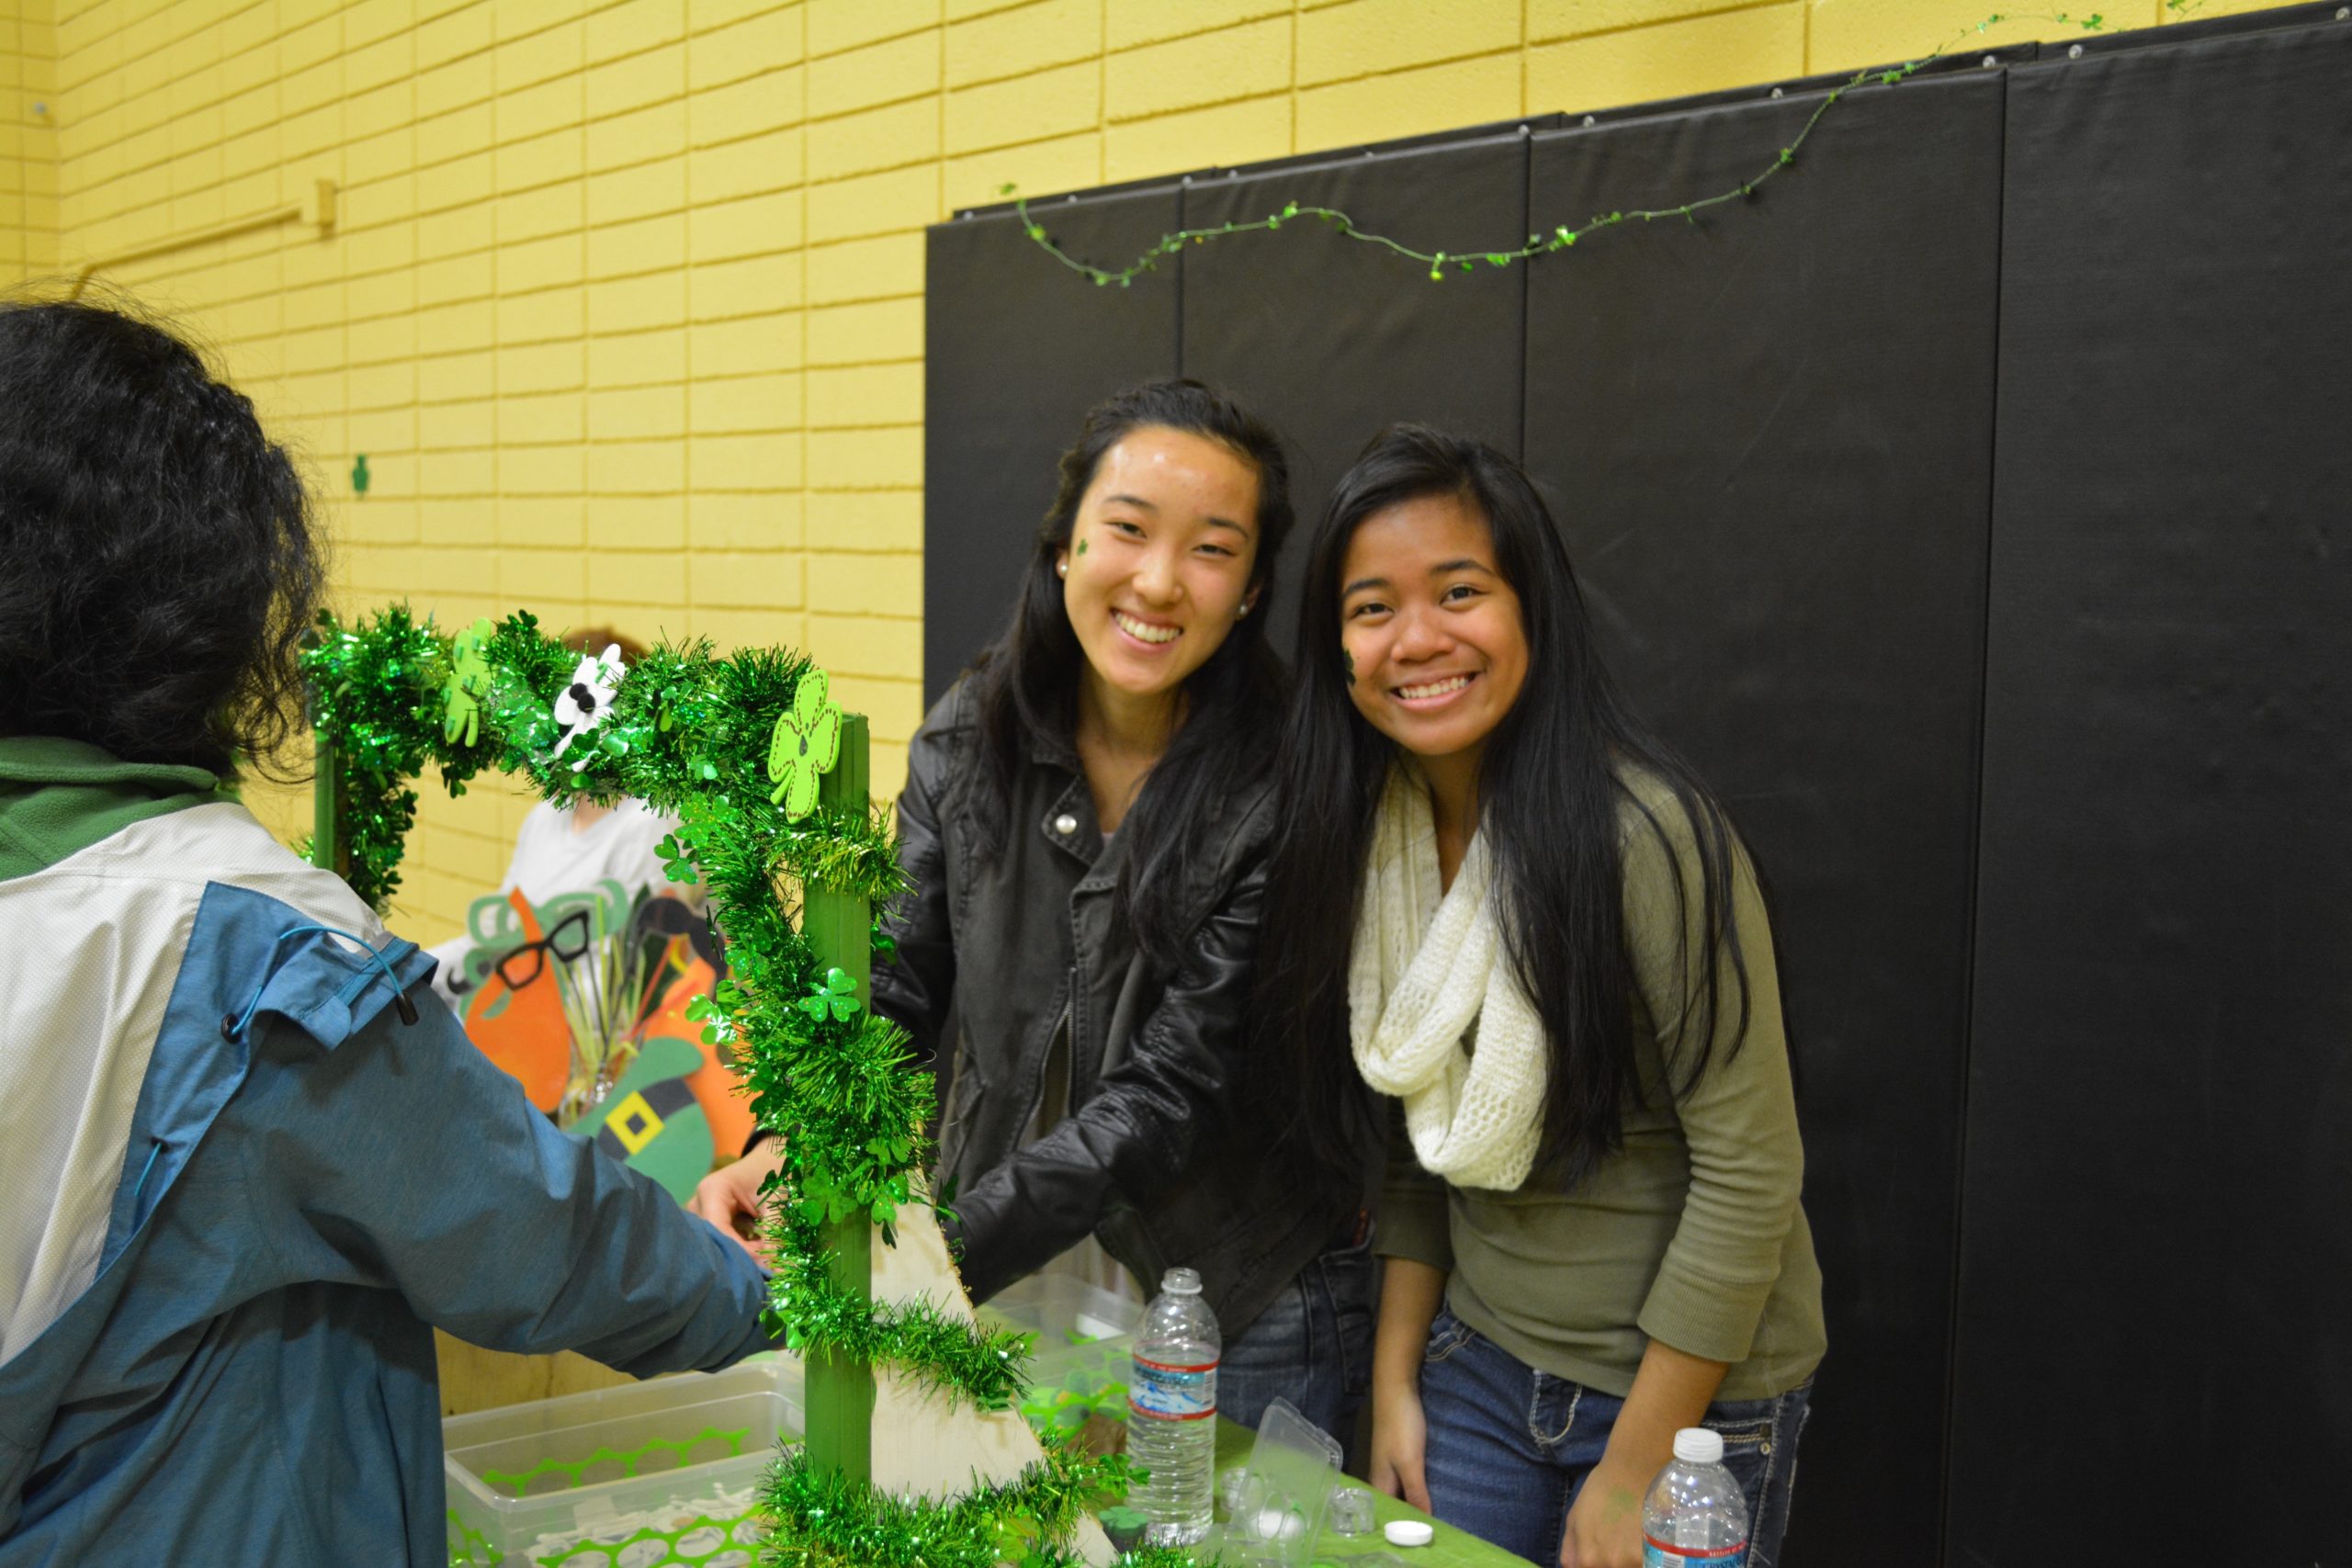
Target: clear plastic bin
655	1473
1084	1352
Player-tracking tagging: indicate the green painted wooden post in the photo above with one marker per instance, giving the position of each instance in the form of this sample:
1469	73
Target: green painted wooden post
327	828
840	927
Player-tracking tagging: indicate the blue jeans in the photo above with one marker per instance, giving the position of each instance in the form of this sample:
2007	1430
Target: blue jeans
1312	1346
1509	1447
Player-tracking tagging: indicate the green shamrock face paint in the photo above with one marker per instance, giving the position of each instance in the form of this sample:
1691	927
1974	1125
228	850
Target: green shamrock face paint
1349	660
1081	547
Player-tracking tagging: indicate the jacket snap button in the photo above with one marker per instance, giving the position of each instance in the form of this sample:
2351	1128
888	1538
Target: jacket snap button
1065	824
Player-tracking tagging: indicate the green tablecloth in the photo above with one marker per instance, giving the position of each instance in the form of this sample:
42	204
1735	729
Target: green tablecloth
1452	1549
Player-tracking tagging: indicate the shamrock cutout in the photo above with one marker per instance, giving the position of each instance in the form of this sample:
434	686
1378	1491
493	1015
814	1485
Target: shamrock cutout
584	702
807	744
468	684
837	995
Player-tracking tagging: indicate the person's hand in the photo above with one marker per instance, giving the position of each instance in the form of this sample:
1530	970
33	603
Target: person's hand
1399	1441
729	1196
1605	1525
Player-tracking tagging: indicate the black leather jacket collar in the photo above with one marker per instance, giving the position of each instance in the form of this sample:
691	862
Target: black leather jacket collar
1169	1151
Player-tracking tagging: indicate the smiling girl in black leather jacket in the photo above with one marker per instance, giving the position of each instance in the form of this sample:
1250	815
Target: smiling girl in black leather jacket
1086	822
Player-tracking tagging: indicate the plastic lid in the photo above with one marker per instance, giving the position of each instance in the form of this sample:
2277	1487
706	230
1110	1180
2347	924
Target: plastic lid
1407	1532
1180	1282
1696	1445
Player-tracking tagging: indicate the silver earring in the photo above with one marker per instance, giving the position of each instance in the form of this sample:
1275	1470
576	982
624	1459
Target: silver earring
1242	613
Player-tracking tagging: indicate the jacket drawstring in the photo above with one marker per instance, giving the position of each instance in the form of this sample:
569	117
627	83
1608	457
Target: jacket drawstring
233	1025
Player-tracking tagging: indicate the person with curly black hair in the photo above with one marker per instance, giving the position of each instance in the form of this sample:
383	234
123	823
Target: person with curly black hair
242	1172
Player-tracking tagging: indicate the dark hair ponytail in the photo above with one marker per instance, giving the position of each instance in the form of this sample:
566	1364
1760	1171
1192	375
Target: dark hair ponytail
1027	680
1550	793
158	565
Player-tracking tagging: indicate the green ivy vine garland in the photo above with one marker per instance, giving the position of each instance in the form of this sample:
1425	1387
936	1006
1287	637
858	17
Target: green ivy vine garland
723	744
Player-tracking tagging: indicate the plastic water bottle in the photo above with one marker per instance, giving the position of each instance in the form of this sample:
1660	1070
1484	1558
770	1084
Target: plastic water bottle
1696	1515
1171	1411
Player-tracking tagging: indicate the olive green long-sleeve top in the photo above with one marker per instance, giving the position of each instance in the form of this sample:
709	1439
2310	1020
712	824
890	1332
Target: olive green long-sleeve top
1691	1234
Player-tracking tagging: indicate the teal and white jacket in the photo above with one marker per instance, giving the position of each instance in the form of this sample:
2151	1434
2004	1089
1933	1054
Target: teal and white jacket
237	1190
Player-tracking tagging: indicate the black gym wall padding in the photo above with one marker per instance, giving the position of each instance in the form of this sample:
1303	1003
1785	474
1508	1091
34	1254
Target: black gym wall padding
1769	442
1971	507
2154	1345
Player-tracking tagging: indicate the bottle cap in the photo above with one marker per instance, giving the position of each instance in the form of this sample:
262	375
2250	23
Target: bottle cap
1696	1445
1180	1282
1407	1532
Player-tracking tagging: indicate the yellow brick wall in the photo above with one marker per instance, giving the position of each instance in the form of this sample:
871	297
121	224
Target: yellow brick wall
624	304
28	139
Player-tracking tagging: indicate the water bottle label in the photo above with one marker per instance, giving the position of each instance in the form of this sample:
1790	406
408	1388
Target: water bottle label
1655	1553
1173	1392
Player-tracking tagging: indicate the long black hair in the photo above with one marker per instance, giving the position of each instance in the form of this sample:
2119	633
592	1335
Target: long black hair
1027	681
158	562
1552	788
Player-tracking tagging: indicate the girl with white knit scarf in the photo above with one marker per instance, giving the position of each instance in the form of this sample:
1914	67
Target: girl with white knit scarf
1554	977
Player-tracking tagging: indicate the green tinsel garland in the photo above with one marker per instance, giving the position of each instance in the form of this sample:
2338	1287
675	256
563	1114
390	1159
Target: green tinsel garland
688	733
1027	1521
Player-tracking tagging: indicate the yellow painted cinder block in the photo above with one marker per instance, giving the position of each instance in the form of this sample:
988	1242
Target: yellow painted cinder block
838	24
1697	55
754	225
1363	37
541	470
458	426
1192	139
1407	103
633	27
650	244
637	304
547	419
745	404
658	131
737	169
754	285
884	266
886	138
547	316
873	204
767	520
637	578
543	367
1217	67
1024	108
621	413
1006	44
747	580
867	646
745	462
641	191
748	345
878	74
551	51
635	522
524	265
857	335
769	38
638	359
525	112
886	455
1036	168
752	106
555	157
637	80
877	519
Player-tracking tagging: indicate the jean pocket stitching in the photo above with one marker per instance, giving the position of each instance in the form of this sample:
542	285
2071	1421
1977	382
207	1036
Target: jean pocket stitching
1446	1341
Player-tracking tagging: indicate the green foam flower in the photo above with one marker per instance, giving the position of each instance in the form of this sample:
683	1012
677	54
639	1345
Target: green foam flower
807	744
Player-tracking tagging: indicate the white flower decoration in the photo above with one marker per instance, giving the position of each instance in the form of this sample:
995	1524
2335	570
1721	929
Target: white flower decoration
584	702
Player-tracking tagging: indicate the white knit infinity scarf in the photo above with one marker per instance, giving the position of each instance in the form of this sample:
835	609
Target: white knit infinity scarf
1423	970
